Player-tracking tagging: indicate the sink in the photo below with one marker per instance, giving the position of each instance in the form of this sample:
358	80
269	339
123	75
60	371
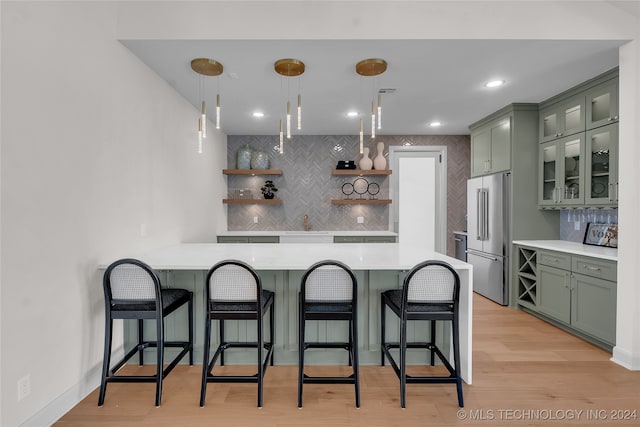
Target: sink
306	237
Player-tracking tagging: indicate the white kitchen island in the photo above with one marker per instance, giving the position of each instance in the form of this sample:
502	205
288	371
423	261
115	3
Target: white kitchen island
378	267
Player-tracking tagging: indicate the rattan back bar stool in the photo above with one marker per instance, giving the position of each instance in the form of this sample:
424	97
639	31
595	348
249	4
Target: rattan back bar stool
233	291
328	291
430	292
132	291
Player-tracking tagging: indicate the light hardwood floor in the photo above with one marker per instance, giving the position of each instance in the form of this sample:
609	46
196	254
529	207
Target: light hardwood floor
525	373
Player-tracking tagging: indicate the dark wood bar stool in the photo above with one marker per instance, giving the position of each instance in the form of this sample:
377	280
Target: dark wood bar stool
233	291
430	292
132	291
328	291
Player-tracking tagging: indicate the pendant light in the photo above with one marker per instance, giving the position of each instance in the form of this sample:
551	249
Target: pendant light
206	67
289	67
371	68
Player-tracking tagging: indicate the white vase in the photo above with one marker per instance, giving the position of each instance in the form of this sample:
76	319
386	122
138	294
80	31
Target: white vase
365	162
380	162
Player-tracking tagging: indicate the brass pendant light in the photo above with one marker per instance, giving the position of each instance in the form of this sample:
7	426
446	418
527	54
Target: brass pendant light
370	68
289	67
206	67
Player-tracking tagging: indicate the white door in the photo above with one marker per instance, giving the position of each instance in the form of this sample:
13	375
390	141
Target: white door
418	191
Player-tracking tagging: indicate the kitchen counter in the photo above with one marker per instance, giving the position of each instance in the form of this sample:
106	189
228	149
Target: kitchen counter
280	233
574	248
377	266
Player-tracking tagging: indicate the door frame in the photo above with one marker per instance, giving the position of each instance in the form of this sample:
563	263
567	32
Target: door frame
440	153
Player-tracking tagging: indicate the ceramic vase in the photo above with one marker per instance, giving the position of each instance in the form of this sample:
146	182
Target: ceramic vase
365	162
259	160
380	162
243	157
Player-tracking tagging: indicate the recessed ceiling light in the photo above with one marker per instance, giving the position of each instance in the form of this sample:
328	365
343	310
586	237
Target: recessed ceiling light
434	124
258	114
352	114
494	83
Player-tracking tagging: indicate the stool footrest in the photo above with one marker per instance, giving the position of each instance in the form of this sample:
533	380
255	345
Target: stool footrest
329	380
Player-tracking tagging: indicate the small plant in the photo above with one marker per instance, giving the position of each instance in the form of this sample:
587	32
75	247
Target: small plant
268	189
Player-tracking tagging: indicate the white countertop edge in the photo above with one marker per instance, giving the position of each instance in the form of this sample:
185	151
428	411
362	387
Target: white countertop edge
311	233
575	248
293	256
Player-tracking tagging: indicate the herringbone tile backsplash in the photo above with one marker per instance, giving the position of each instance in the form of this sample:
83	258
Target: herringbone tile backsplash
307	186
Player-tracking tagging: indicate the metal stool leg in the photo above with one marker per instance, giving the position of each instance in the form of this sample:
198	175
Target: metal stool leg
300	351
205	361
106	359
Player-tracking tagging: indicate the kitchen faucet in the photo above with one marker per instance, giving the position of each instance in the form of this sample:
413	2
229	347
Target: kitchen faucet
307	226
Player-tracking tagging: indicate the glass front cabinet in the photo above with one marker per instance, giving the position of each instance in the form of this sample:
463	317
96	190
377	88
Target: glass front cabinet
561	170
562	119
602	104
601	164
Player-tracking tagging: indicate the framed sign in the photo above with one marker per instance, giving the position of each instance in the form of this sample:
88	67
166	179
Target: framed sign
601	235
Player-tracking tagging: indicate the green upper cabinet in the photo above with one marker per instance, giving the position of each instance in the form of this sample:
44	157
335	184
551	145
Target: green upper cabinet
561	172
562	119
578	156
601	165
602	104
491	147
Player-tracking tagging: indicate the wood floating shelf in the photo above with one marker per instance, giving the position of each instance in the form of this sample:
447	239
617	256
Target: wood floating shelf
252	201
360	172
360	201
252	171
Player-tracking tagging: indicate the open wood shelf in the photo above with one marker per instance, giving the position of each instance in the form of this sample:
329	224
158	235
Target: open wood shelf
360	172
252	201
252	171
360	201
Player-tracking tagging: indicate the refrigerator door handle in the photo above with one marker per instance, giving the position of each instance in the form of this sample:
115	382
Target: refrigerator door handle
479	211
485	215
482	255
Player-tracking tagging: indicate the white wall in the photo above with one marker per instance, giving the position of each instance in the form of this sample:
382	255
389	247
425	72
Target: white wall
96	109
93	145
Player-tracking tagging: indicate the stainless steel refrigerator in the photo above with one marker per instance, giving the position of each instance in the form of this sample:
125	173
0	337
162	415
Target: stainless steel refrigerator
488	235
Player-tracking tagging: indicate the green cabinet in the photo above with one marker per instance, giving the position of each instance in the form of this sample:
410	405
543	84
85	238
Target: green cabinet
248	239
576	292
364	239
589	112
562	118
593	303
491	147
554	292
602	104
561	172
601	165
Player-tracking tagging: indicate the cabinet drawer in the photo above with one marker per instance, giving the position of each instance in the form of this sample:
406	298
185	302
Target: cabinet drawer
555	259
602	269
233	239
379	239
348	239
264	239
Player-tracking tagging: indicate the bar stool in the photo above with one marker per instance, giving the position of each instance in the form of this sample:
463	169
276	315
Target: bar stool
233	291
430	292
328	291
132	291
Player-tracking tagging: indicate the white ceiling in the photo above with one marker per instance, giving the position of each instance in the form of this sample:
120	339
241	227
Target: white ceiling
434	79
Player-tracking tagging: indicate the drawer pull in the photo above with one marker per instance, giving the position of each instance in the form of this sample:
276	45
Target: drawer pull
589	267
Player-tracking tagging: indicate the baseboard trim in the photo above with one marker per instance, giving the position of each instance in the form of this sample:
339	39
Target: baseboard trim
626	359
62	404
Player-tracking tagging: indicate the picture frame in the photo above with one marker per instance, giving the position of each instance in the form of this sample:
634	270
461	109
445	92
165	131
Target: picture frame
601	235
